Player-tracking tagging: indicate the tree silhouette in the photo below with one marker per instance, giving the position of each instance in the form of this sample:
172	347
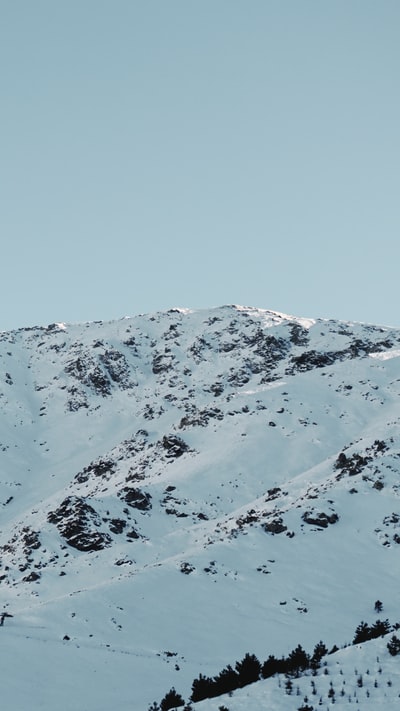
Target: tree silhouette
362	633
380	628
201	688
320	650
171	700
298	659
248	669
227	680
271	666
394	646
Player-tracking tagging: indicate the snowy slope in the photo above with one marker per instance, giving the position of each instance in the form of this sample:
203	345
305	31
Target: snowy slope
181	488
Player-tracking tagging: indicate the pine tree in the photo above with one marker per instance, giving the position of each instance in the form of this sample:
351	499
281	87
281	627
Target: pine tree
298	659
289	686
248	669
227	680
380	628
201	688
273	666
320	650
171	700
394	646
362	634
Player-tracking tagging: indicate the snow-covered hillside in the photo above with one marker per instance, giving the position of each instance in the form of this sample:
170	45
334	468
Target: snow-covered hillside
179	489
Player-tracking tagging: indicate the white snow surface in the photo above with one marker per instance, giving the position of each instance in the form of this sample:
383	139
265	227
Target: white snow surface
147	465
394	353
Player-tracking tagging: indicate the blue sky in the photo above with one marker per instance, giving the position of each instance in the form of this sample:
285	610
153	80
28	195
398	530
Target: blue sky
179	153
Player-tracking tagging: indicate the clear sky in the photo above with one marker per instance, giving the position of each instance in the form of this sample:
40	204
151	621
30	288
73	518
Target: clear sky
161	153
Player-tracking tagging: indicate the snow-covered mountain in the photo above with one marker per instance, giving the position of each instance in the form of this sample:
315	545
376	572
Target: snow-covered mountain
179	489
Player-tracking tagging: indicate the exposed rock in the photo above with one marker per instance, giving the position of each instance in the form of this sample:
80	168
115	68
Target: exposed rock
136	498
187	568
117	367
30	539
85	369
201	417
32	577
175	446
308	360
117	525
275	526
162	363
78	522
103	468
322	520
353	464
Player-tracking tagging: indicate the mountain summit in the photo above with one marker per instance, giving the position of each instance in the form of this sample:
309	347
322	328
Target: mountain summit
182	488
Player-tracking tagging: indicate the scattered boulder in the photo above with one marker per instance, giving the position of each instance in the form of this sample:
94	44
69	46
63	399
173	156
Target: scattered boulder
136	498
275	526
322	520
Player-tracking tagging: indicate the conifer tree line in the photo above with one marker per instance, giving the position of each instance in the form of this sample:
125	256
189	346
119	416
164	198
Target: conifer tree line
250	669
364	632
